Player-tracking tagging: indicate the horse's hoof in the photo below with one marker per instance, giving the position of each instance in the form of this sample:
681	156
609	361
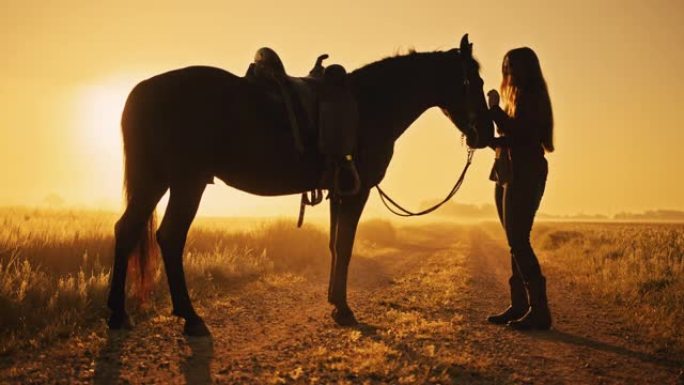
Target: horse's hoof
196	328
344	317
120	322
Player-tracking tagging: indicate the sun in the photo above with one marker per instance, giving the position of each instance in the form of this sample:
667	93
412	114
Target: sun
100	115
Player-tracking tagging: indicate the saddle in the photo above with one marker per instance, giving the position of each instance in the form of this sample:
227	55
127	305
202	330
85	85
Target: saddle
320	103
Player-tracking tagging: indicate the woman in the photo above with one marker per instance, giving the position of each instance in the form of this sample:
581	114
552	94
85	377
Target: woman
525	127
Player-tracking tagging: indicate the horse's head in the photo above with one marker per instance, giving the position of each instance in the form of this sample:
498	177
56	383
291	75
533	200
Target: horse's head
462	97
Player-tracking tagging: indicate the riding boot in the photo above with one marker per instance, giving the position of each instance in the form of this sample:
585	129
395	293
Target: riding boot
539	316
519	304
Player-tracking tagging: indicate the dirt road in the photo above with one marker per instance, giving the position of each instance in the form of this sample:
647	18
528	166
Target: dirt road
422	305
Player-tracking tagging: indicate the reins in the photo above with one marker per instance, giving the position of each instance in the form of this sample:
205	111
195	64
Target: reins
396	209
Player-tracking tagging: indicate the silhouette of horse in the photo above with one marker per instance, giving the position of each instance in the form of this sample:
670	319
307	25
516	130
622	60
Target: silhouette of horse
184	127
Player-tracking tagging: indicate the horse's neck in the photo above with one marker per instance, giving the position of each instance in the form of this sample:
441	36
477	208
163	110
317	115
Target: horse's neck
407	111
395	108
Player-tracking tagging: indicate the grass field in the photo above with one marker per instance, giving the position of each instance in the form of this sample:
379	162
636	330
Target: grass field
638	267
54	267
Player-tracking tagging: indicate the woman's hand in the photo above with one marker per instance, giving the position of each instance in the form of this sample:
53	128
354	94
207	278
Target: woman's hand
493	98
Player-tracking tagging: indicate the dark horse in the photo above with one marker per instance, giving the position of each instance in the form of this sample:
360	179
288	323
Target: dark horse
184	127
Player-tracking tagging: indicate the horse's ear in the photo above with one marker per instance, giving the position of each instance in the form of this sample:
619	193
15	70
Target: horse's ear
466	46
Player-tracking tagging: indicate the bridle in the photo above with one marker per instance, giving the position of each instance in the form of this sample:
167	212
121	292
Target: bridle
396	208
470	111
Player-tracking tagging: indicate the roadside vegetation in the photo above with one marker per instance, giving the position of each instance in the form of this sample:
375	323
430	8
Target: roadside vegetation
54	267
638	267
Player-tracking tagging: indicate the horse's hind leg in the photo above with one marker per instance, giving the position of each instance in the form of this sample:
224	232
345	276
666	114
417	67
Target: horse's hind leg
343	231
172	233
128	232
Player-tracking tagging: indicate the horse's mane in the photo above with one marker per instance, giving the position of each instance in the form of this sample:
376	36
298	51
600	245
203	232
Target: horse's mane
397	64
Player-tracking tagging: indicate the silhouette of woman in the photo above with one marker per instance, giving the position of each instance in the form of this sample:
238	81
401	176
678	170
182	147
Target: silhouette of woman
525	130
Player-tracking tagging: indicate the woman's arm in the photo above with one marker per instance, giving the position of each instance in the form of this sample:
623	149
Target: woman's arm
519	130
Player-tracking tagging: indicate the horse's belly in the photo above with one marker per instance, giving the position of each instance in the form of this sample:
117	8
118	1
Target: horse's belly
269	185
270	175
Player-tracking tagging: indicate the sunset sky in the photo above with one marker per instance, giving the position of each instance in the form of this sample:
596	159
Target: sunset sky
614	71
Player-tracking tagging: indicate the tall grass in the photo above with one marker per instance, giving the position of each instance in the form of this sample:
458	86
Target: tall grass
54	267
639	267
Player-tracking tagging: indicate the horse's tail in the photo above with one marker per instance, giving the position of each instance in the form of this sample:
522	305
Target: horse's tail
144	258
138	180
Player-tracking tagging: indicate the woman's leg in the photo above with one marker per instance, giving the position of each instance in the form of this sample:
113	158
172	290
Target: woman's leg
499	193
498	198
519	304
521	201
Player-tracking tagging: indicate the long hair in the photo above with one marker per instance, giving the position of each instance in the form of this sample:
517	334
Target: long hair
523	88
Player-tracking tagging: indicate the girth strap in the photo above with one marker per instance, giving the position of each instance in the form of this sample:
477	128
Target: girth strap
315	198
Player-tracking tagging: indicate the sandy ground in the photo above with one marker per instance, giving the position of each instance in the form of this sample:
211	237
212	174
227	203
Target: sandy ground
421	305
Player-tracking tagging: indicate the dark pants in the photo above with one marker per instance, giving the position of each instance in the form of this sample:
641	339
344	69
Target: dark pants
517	203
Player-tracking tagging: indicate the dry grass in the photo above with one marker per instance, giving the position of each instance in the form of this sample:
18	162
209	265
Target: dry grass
53	273
54	267
638	267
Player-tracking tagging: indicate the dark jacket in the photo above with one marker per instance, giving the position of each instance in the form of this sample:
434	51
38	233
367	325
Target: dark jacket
519	151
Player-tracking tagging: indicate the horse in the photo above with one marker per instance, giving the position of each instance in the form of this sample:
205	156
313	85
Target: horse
185	127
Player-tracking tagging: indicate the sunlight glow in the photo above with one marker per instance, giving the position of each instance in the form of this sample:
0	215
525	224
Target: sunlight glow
64	85
100	112
99	115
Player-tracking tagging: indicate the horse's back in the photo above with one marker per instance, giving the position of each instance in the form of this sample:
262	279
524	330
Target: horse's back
206	121
192	73
179	114
185	84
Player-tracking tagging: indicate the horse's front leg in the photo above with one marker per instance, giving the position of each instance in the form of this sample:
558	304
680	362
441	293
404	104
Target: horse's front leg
344	217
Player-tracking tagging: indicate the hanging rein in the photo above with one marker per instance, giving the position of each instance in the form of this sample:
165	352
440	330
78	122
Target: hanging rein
396	208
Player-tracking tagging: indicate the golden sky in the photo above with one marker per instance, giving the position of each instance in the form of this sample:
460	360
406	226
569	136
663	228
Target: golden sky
613	70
